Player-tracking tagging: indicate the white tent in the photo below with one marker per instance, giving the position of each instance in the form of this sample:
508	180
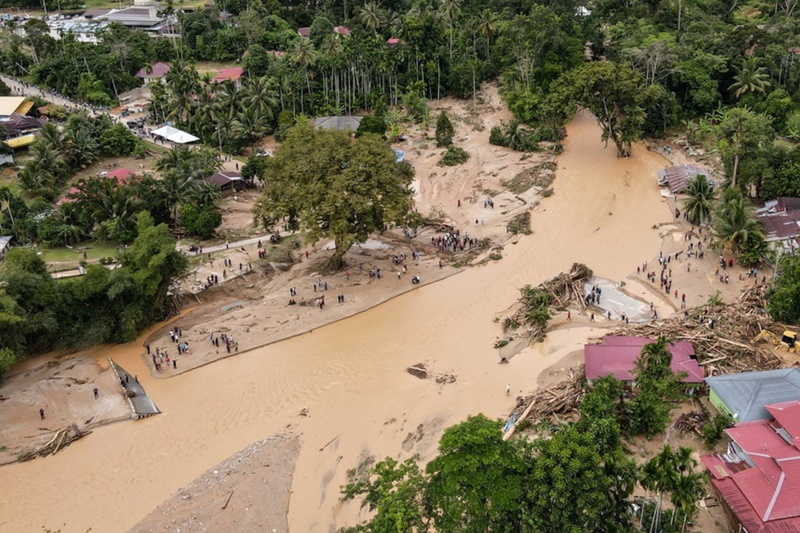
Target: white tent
175	135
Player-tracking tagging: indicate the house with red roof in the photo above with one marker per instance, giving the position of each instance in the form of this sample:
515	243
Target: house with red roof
233	74
342	30
759	475
617	356
154	72
120	175
394	41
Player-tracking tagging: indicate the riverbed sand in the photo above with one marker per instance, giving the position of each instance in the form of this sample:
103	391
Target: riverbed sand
348	378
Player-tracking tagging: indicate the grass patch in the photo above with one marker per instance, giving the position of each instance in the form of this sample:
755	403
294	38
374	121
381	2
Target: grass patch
94	251
8	178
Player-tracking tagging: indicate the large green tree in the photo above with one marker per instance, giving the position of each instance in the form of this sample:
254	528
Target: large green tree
475	483
613	92
333	186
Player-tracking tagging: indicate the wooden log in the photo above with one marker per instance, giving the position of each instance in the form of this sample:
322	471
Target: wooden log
230	495
704	363
510	432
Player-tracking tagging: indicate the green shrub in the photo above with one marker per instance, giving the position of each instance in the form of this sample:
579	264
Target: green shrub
713	431
444	131
454	156
497	137
201	223
371	124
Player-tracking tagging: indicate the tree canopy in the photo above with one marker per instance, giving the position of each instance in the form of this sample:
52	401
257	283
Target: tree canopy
333	186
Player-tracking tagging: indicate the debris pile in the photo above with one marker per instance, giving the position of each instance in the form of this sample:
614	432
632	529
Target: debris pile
723	335
692	422
561	291
557	401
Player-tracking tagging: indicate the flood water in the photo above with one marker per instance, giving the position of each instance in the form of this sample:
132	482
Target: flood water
351	375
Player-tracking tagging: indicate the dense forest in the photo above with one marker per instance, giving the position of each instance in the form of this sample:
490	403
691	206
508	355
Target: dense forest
667	64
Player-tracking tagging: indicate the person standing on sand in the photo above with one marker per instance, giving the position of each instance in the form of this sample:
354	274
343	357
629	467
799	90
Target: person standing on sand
569	315
41	414
508	389
96	393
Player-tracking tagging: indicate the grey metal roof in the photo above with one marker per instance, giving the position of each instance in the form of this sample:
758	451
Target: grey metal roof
344	123
747	394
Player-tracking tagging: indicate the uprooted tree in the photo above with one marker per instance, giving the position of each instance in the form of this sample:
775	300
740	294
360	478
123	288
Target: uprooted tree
332	186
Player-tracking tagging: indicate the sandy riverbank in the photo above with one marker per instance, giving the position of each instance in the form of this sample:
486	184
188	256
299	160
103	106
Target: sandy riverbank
350	376
247	492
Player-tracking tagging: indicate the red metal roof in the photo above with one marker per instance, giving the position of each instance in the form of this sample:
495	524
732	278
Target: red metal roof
121	175
342	30
760	477
617	356
233	73
787	414
747	516
304	32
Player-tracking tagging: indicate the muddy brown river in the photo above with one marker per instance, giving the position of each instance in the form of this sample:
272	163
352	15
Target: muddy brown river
351	375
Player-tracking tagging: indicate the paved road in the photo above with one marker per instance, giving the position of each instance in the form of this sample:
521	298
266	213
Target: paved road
18	88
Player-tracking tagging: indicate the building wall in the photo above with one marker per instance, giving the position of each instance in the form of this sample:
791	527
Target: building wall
717	402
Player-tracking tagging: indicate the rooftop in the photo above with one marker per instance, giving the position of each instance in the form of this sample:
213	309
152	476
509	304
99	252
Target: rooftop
678	177
748	394
224	177
759	477
344	123
156	70
617	356
10	104
233	73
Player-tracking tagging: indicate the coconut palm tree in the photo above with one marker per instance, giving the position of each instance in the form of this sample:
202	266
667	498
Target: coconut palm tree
450	10
750	78
486	26
53	137
248	126
371	16
183	82
699	204
734	222
82	148
304	55
260	98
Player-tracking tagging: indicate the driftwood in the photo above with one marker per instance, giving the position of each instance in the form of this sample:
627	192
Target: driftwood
61	439
722	335
565	289
560	400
